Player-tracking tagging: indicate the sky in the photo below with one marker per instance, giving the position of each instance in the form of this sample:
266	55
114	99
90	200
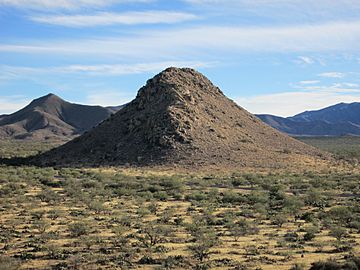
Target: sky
277	57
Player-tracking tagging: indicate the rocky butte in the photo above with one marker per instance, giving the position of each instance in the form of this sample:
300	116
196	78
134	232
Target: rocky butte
179	118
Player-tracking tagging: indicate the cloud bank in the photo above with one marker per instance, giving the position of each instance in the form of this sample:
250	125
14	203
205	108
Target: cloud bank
108	18
64	4
195	41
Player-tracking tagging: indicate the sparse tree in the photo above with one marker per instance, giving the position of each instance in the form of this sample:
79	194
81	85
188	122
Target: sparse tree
41	226
241	228
152	234
279	219
338	232
204	242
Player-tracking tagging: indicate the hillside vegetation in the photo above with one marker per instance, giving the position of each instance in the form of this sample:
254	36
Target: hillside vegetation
132	219
346	147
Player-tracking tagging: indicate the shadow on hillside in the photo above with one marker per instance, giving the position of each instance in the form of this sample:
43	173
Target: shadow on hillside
17	161
31	161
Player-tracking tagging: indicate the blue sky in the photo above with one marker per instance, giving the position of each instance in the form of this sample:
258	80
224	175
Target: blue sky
271	56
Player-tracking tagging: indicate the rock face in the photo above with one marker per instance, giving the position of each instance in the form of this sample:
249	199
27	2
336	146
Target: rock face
50	117
180	118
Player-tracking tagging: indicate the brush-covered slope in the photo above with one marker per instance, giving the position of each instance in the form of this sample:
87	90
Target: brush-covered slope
180	118
50	117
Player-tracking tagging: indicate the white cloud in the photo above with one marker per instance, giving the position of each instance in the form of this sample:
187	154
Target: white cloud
309	7
351	3
165	44
108	18
109	98
9	104
332	75
308	82
333	88
305	60
353	85
63	4
15	72
291	103
306	97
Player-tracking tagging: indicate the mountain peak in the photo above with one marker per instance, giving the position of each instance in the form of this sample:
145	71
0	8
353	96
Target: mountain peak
51	117
48	101
176	86
49	97
182	77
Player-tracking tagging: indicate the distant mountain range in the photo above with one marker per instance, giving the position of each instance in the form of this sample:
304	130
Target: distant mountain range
50	117
337	120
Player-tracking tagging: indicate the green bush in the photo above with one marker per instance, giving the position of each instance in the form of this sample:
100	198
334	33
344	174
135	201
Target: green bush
196	196
338	232
310	233
78	229
232	197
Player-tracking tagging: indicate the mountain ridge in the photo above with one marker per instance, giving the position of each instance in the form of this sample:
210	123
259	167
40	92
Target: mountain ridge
50	117
336	120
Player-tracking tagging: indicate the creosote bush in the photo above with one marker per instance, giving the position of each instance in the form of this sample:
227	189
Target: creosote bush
78	229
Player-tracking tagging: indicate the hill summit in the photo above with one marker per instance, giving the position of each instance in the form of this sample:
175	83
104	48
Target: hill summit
50	117
179	118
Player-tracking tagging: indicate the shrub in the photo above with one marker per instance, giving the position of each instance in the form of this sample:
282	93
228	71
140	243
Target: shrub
232	197
41	226
326	266
171	184
153	207
292	205
279	219
47	195
204	241
78	229
341	214
241	228
151	234
238	182
298	266
8	263
338	233
258	197
310	233
196	196
352	263
174	262
161	195
96	206
54	214
315	198
251	250
291	237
